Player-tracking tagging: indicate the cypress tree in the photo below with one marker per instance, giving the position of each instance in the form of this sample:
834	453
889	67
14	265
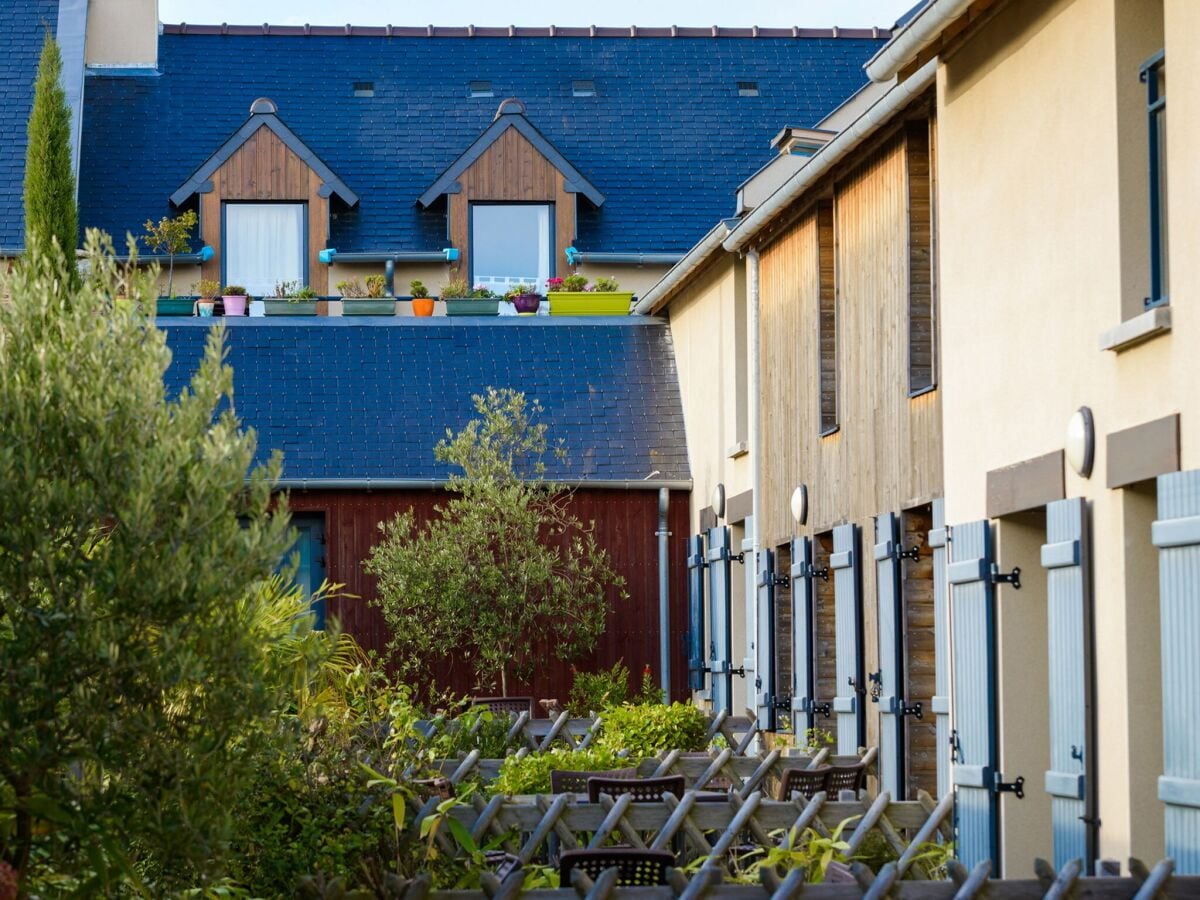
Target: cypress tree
50	212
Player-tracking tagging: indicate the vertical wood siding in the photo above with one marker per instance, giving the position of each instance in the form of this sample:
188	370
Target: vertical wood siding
264	168
824	633
625	523
511	170
916	587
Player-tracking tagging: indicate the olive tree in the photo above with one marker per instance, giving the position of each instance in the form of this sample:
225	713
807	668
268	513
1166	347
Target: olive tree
503	574
136	537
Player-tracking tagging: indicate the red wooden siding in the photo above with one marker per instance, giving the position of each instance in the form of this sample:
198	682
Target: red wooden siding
625	521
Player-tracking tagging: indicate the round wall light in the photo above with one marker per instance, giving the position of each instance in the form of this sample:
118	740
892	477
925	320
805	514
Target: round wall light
718	501
800	504
1081	441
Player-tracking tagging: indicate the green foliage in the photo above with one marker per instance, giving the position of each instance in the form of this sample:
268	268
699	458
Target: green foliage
418	290
606	285
172	237
233	290
351	288
648	729
376	286
574	283
519	290
294	292
51	217
456	289
503	576
207	287
593	691
530	774
134	574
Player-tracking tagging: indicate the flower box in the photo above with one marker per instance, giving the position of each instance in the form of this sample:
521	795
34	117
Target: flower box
464	306
174	306
290	307
368	306
590	303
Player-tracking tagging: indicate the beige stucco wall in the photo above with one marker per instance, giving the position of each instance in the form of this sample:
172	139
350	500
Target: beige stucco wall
638	279
122	33
1043	247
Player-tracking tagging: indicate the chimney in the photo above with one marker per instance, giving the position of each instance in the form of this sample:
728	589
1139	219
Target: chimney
122	34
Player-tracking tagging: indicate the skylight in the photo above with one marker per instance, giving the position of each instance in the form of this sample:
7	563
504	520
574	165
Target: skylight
585	88
481	89
747	88
364	89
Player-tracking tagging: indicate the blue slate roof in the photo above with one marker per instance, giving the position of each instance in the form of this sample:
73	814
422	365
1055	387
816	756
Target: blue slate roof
23	27
353	398
666	139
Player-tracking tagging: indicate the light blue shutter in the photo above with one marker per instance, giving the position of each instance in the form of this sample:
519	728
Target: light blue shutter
941	649
750	612
971	599
721	636
1067	597
847	604
1176	534
764	664
891	654
695	570
802	634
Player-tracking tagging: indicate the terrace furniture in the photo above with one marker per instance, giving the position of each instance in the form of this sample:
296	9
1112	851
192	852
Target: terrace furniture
569	781
501	863
637	867
806	782
644	790
846	778
512	706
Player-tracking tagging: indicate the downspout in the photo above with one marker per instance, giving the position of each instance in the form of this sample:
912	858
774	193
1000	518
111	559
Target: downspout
755	422
664	595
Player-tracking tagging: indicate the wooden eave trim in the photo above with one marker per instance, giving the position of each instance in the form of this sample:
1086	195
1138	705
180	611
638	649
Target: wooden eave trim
954	35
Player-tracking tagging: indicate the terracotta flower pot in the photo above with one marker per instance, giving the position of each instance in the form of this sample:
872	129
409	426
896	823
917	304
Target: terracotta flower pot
422	306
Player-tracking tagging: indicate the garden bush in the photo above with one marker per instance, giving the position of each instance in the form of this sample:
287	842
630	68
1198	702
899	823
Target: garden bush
649	729
531	774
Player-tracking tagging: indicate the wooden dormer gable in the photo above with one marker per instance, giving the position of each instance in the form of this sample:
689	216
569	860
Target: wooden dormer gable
511	162
265	161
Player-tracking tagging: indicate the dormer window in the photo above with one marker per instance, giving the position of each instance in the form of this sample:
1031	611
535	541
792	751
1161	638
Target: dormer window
510	245
583	88
478	89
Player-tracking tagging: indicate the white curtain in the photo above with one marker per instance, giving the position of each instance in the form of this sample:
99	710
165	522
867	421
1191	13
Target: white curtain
264	245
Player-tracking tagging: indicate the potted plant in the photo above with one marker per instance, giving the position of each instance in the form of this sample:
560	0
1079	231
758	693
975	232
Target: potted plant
205	304
525	299
370	300
235	298
291	299
461	300
172	237
571	296
203	289
422	303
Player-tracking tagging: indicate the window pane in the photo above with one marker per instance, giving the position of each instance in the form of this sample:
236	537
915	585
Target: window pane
264	245
510	245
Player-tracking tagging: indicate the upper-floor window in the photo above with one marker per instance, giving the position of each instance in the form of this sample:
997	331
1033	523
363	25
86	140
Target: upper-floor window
922	335
1154	75
511	245
264	245
826	321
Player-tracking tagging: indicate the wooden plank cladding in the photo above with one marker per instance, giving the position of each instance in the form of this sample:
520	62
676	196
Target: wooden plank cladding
266	169
511	170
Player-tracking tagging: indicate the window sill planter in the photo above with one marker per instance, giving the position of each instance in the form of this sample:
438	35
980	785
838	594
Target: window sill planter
368	306
289	308
174	306
590	303
466	307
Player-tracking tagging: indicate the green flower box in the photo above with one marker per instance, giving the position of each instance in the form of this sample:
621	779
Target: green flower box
462	306
590	303
174	306
368	306
290	308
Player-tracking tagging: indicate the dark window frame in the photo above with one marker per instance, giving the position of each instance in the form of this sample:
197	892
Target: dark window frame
471	231
921	288
827	368
1156	119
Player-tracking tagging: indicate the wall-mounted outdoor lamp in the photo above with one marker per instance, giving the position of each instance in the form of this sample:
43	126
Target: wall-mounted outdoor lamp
717	500
800	504
1081	441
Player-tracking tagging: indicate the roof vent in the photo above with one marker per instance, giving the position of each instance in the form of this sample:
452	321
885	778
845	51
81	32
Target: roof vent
263	106
480	89
509	106
747	88
584	88
364	89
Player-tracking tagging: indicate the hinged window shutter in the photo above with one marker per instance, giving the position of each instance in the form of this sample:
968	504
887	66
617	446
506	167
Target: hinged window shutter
1064	559
891	653
846	569
721	636
695	570
971	599
941	650
1176	534
750	612
802	634
764	665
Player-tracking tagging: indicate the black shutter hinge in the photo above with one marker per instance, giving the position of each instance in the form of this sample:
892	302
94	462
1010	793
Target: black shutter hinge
917	710
740	671
876	679
913	553
811	571
765	578
783	702
821	709
1013	577
1010	787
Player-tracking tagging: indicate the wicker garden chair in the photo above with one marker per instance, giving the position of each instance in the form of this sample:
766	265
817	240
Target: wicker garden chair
805	782
637	867
644	790
512	706
846	778
569	781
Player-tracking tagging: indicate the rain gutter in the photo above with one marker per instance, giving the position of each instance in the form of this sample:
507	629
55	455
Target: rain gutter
915	37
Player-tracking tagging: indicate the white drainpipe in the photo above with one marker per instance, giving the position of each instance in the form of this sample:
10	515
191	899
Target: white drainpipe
755	476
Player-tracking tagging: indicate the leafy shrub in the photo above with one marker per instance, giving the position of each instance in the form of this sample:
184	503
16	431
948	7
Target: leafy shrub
418	289
456	289
606	285
351	288
531	774
593	691
648	729
376	286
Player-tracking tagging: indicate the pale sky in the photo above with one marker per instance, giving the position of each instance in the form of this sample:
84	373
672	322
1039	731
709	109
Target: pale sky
805	13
